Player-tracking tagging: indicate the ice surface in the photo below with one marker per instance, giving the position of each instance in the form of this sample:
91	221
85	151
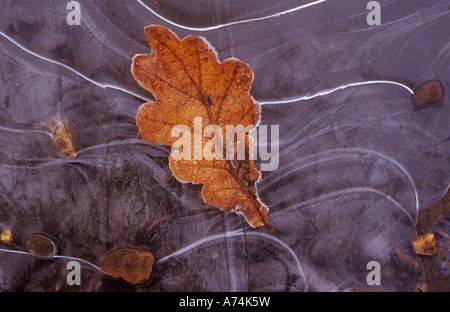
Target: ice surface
355	163
442	234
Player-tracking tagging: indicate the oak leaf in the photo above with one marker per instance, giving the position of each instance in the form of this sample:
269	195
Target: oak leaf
189	82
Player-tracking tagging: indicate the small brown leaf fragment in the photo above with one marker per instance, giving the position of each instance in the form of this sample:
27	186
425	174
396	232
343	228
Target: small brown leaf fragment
41	246
65	141
6	237
429	92
424	287
190	84
64	133
132	265
424	244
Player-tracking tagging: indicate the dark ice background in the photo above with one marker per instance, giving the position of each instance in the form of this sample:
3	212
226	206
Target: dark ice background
355	164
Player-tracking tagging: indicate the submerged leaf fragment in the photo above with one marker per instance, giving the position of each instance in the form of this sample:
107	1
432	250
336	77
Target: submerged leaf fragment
132	265
191	85
6	237
41	246
429	92
424	244
64	134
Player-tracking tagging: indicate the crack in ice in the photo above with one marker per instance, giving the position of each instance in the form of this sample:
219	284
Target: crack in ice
329	91
236	233
342	192
25	131
101	85
256	19
53	257
353	149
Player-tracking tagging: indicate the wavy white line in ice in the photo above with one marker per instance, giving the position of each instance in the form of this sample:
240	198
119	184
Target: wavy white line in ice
77	259
235	234
341	192
323	156
353	149
329	91
25	131
15	252
54	257
392	160
120	142
231	23
101	85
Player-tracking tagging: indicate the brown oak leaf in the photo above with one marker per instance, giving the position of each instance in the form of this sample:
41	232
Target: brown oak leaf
190	83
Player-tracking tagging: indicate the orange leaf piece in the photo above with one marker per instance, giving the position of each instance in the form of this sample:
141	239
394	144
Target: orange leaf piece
424	244
132	265
195	90
64	134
